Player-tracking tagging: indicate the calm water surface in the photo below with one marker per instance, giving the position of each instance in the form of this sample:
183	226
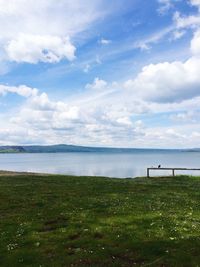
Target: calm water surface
100	164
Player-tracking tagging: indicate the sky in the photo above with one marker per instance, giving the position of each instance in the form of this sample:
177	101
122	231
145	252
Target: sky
117	73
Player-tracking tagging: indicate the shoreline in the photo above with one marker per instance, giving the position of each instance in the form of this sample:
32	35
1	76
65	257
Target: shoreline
16	173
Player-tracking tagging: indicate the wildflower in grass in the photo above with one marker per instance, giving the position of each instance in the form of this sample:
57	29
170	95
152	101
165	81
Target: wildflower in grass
11	246
37	244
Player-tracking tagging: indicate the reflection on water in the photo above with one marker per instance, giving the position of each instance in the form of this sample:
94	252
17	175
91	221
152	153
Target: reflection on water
101	164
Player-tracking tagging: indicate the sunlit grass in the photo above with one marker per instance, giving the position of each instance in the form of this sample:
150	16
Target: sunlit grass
90	221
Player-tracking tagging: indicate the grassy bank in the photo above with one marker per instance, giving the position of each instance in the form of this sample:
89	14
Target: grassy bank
51	221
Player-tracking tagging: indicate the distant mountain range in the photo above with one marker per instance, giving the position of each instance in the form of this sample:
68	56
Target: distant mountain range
71	148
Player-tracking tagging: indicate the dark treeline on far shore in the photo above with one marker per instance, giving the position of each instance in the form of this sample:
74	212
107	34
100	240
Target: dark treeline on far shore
62	148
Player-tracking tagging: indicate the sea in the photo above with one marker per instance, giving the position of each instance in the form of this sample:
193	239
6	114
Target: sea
111	164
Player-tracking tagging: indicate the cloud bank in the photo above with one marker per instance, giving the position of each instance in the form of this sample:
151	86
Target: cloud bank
41	30
170	81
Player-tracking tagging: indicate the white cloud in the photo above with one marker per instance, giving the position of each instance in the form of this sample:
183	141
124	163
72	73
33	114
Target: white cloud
98	84
41	30
192	21
195	3
170	82
176	30
48	16
190	116
146	43
195	44
124	121
177	34
21	90
101	118
105	41
165	5
35	48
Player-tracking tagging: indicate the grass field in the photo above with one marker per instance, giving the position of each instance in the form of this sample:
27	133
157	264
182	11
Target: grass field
50	221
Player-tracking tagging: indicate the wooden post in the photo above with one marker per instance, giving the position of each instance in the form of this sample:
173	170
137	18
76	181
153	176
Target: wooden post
173	172
147	172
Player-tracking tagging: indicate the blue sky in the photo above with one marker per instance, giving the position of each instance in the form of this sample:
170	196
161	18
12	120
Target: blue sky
100	73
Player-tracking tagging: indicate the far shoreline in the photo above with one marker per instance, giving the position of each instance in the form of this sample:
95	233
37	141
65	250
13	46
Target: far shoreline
22	173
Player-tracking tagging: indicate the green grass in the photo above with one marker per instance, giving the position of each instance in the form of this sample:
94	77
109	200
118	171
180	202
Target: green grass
11	150
88	221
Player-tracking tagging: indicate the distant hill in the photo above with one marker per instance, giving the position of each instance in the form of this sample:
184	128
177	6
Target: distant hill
57	148
62	148
192	150
71	148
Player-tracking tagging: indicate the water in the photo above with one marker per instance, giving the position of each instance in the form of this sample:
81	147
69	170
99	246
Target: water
101	164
